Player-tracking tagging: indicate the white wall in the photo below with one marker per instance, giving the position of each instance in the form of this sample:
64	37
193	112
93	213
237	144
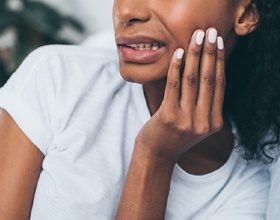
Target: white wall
96	15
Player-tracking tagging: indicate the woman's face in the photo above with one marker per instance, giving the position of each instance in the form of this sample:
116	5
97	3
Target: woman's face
149	31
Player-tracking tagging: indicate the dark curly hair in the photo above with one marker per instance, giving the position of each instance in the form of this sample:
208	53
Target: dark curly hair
252	97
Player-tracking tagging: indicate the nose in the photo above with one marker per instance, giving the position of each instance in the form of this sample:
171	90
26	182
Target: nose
133	11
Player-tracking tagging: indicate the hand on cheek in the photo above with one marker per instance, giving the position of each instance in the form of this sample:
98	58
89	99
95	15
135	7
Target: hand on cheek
192	105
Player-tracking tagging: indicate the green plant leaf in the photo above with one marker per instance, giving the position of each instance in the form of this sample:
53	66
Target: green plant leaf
74	23
9	19
42	17
36	25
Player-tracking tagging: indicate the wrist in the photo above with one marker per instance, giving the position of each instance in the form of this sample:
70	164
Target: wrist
153	160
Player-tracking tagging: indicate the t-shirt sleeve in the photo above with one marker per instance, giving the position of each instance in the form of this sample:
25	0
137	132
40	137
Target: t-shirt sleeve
273	210
256	211
248	199
28	97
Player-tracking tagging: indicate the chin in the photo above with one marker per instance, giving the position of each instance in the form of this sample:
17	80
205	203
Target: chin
143	73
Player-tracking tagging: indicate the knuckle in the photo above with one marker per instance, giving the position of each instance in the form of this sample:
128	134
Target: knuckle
217	124
210	79
184	127
175	65
221	81
170	120
202	129
220	55
211	50
174	84
192	80
167	117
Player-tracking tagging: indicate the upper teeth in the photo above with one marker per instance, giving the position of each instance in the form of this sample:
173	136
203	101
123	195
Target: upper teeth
151	46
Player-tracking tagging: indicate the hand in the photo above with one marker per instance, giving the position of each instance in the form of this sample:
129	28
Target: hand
192	106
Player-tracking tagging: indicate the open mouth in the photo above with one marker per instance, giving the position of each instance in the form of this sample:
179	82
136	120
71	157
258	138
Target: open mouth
144	46
140	49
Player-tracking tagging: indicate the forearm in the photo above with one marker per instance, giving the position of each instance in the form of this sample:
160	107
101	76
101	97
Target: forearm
146	189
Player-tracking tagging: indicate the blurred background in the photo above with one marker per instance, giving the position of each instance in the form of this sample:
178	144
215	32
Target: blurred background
28	24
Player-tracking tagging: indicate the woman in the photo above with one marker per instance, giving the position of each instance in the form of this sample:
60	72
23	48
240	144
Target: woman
79	142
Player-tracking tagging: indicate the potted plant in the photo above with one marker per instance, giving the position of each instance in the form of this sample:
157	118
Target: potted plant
26	25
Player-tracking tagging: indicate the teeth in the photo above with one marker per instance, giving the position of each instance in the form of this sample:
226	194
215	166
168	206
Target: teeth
146	46
155	47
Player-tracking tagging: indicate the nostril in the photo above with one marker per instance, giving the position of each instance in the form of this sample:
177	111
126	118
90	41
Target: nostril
129	21
133	20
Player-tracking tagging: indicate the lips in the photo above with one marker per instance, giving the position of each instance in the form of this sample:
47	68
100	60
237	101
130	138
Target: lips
140	49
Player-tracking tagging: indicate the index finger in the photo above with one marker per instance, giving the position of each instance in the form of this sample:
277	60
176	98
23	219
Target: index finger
173	83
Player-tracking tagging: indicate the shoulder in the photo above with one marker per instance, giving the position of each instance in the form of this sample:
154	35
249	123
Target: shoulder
60	68
245	193
63	51
275	179
252	174
71	73
58	62
55	56
274	195
251	179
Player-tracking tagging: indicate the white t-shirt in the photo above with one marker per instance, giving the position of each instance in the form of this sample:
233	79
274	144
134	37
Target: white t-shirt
273	211
74	106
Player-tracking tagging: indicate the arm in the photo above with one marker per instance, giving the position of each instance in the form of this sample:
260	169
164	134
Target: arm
146	188
191	111
20	166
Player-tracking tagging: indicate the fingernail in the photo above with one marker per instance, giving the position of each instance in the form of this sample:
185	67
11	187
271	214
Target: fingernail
220	43
212	35
180	54
199	37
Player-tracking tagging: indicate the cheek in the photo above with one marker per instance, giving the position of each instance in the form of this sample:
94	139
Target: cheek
183	21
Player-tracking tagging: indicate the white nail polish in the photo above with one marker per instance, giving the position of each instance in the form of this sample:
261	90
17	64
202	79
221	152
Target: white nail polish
180	54
199	37
220	43
212	35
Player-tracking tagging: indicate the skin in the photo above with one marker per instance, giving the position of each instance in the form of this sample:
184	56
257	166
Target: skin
171	20
187	120
186	117
198	110
20	166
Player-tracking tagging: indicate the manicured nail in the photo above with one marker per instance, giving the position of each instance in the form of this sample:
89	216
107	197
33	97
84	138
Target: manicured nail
199	37
180	54
212	35
220	43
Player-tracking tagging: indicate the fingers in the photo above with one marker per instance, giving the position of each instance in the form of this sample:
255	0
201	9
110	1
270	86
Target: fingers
200	91
190	78
207	72
173	84
217	106
203	80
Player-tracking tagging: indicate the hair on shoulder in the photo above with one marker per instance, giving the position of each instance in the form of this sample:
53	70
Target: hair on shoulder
252	97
